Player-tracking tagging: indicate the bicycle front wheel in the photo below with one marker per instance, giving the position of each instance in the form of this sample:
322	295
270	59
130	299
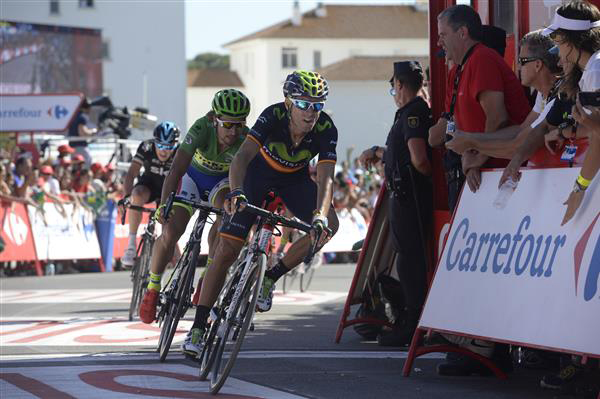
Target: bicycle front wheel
233	330
177	301
140	277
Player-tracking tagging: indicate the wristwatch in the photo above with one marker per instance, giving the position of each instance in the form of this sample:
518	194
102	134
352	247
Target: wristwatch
578	187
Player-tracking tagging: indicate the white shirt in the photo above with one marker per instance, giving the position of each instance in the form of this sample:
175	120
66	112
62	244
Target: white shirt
541	107
590	79
52	186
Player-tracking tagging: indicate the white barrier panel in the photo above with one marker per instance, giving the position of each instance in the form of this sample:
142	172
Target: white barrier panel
37	112
515	274
60	237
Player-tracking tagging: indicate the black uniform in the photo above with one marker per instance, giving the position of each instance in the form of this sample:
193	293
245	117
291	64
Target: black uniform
411	200
155	170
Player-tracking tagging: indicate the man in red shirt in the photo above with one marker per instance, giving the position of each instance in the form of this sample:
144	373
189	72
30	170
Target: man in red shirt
486	94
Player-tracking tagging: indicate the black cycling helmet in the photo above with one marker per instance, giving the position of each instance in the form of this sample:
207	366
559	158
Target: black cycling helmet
166	135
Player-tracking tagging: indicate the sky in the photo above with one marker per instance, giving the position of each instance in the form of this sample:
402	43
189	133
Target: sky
211	23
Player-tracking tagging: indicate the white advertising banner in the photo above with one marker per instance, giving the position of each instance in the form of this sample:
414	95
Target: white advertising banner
64	236
37	112
517	275
352	228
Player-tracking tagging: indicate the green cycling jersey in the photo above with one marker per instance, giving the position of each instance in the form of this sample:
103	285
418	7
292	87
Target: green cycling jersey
201	142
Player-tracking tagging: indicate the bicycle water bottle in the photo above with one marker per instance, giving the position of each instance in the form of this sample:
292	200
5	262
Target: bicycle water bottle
504	193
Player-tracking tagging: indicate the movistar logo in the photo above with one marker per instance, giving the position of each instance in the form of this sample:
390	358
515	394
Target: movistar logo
323	126
279	113
281	150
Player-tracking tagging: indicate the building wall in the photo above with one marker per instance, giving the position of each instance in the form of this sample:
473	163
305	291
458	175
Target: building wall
146	64
363	112
259	65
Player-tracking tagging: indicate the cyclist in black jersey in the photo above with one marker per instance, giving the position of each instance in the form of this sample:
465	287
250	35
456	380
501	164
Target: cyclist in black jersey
276	155
155	156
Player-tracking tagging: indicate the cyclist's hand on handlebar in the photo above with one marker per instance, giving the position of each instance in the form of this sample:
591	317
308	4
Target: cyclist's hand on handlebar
319	230
159	215
235	201
123	202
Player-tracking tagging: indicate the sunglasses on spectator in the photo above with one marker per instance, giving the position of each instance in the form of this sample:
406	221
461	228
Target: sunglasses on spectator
231	125
524	60
306	105
167	147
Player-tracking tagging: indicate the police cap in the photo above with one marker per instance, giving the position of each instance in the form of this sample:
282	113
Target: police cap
405	67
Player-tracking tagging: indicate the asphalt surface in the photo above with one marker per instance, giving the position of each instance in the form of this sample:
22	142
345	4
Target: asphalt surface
291	350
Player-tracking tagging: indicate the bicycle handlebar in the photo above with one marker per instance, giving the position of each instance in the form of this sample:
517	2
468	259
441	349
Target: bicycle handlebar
296	224
127	204
205	206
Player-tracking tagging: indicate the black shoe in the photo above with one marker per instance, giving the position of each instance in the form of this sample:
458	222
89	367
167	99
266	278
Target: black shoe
395	337
462	366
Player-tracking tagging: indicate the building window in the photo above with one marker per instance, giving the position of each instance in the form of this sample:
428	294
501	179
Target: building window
86	3
317	59
289	57
54	9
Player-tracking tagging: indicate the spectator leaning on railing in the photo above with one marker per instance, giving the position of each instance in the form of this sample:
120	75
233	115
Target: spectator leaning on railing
538	69
576	32
80	127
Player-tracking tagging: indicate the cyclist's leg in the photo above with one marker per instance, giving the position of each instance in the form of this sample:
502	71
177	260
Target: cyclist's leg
232	237
164	248
140	195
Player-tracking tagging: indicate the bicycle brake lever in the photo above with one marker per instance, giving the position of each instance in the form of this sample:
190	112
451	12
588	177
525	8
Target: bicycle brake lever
169	205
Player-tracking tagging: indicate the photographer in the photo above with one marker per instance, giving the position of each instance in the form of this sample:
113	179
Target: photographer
80	127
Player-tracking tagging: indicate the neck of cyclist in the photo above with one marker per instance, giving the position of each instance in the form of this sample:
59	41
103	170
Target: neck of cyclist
299	127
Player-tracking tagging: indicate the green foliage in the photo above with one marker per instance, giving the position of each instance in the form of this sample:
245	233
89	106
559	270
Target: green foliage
209	60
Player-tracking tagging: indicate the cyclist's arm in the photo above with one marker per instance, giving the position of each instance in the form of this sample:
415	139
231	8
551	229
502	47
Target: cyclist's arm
237	170
325	171
132	173
178	168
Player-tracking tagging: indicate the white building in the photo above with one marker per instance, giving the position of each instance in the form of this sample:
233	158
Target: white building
144	47
325	36
202	86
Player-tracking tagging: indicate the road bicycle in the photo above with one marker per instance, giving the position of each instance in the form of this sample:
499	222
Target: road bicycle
140	272
176	296
232	315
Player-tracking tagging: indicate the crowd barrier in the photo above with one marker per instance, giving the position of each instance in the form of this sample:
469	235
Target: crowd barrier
68	232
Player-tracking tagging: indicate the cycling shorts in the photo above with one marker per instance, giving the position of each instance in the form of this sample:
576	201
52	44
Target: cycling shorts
198	186
153	184
297	190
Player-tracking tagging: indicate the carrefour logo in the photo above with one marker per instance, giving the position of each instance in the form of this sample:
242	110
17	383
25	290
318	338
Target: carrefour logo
590	287
58	111
504	253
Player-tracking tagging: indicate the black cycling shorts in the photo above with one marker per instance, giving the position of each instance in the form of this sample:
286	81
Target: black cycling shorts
297	190
153	184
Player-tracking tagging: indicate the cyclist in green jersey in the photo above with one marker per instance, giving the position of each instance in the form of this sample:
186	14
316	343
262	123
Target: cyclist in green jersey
199	172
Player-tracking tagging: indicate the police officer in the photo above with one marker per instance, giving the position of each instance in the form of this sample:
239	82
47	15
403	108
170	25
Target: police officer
407	165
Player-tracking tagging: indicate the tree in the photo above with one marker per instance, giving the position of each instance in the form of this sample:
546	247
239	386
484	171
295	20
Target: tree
209	60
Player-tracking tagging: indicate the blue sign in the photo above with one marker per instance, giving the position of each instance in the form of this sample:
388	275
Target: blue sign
105	229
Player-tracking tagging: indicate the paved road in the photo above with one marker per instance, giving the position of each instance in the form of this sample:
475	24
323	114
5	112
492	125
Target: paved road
68	336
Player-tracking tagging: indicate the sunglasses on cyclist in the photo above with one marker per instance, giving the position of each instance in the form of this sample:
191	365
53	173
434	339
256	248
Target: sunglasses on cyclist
230	125
306	105
524	60
162	146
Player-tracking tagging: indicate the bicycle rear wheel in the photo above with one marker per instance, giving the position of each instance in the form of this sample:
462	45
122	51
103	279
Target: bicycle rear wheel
177	300
237	326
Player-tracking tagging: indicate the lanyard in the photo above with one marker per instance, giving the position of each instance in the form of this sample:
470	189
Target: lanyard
459	69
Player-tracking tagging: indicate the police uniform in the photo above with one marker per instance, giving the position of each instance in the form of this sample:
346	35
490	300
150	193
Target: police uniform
411	196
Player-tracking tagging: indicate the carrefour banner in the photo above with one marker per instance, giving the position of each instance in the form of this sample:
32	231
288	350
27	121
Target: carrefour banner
515	274
37	112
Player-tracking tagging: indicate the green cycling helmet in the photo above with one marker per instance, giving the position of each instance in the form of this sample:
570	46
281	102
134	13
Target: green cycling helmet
303	83
231	103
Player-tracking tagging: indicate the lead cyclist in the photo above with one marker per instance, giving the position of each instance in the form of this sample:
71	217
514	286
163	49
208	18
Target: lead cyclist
201	164
276	155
